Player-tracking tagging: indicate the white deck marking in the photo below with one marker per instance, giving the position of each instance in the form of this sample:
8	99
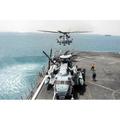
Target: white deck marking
101	86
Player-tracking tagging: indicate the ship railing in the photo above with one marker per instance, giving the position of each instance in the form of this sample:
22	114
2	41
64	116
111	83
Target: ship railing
31	91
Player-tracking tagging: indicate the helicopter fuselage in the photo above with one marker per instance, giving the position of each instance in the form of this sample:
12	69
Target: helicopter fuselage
63	77
64	40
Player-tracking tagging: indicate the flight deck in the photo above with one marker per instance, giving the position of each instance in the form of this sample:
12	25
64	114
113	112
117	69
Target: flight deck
107	84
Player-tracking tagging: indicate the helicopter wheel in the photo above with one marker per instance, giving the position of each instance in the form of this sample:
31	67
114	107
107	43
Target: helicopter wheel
57	97
75	96
68	97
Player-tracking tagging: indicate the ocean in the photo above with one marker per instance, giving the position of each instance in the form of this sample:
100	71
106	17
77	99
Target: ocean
21	57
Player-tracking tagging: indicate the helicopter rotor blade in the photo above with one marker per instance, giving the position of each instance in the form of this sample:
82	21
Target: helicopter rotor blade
66	52
50	52
47	31
80	32
75	61
49	62
48	57
63	32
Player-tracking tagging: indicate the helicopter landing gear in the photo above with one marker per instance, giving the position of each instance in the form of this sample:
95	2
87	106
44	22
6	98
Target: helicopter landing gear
56	97
75	96
68	97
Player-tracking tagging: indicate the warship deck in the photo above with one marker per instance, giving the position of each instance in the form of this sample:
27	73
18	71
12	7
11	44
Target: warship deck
107	68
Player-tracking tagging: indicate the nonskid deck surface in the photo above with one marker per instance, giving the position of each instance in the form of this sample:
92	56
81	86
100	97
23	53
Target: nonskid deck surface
107	85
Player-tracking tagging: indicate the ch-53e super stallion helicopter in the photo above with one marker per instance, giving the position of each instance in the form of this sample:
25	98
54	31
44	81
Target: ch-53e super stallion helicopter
64	38
66	79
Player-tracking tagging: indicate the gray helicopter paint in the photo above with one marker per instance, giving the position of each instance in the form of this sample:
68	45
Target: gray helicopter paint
107	85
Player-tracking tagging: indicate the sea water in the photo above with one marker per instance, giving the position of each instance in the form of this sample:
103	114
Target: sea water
21	57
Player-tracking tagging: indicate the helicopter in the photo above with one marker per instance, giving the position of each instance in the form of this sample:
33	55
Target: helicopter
63	77
65	38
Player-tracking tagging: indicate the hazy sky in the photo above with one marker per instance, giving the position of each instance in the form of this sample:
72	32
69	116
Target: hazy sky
99	27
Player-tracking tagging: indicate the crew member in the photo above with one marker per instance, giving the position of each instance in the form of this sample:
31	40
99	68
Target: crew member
93	67
94	76
75	86
83	74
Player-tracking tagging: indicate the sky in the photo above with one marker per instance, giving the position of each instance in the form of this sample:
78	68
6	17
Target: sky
95	26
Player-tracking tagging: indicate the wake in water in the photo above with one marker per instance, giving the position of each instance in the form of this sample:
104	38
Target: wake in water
16	80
